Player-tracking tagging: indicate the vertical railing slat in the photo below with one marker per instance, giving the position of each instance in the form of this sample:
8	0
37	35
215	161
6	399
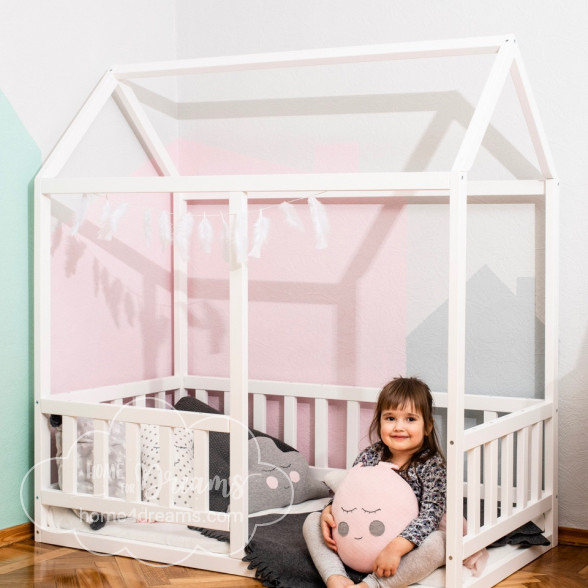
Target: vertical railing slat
100	465
69	461
260	412
321	433
291	420
352	445
201	470
473	488
491	482
507	475
166	463
133	462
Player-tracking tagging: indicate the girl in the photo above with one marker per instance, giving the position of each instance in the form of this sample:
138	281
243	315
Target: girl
404	425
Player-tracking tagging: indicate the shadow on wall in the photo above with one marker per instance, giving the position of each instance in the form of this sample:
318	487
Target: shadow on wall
449	107
504	340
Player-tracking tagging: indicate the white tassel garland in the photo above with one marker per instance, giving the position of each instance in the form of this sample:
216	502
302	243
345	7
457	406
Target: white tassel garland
81	211
226	237
110	219
320	222
183	233
291	215
205	234
240	238
165	230
260	232
148	225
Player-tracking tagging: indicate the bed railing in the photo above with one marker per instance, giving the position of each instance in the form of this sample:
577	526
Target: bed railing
505	482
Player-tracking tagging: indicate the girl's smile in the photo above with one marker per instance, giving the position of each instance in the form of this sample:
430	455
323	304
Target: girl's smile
402	430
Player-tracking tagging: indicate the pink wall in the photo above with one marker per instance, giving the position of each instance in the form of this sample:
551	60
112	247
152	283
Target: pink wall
334	315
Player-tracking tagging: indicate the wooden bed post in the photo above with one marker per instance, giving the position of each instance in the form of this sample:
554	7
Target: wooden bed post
239	376
456	375
551	349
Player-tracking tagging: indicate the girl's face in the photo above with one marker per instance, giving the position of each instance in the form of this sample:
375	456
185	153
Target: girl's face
403	431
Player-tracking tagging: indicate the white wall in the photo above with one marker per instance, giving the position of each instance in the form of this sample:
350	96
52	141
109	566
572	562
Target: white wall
554	45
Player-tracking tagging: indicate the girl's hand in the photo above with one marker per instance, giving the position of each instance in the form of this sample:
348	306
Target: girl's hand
388	559
327	526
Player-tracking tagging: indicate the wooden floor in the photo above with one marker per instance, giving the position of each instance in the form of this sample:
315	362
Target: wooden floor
27	563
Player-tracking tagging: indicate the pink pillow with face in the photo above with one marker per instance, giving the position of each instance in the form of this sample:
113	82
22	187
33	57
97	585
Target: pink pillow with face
371	507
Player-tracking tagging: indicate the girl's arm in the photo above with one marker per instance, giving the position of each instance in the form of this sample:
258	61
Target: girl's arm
432	501
389	558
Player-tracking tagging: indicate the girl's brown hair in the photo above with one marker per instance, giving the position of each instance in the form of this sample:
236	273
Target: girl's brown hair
408	392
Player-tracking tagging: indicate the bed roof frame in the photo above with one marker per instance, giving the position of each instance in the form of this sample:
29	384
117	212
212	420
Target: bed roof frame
452	183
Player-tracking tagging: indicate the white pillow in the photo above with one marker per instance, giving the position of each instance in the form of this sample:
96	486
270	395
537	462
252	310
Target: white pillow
183	472
334	478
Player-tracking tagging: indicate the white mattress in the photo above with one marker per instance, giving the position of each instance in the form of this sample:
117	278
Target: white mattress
180	536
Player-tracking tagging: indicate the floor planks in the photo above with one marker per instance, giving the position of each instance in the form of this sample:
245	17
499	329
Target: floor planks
39	565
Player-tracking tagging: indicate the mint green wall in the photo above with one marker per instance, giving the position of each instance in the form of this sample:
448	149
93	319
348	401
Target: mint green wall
20	159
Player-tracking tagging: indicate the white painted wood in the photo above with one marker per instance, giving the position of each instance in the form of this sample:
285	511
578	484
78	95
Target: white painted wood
291	420
491	482
311	57
248	183
140	401
532	117
166	463
485	432
490	415
201	471
79	126
507	475
227	402
491	533
179	394
552	195
321	433
146	551
180	293
523	458
474	468
352	444
141	510
202	395
239	376
133	111
456	375
132	462
100	465
69	466
121	391
485	108
42	345
357	393
133	414
536	466
260	412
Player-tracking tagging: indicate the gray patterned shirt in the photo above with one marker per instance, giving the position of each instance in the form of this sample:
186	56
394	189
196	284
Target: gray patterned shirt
428	481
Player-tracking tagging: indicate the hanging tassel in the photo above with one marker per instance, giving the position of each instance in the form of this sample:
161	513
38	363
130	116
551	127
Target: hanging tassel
81	211
320	222
226	237
205	234
260	231
182	234
148	225
291	215
240	238
165	230
110	219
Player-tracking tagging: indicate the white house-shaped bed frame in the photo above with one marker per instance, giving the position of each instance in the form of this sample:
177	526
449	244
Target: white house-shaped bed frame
534	495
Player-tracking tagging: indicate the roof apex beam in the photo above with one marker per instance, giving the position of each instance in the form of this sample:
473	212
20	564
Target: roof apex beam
485	108
339	55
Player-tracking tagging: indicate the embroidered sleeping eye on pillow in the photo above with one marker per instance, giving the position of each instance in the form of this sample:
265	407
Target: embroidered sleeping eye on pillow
372	505
279	478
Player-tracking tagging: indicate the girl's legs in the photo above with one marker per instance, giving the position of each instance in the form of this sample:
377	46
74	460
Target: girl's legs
326	561
415	565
